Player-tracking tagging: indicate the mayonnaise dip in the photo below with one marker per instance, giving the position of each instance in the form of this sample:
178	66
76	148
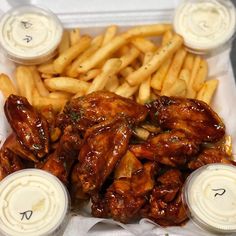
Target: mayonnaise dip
210	195
205	24
29	34
32	203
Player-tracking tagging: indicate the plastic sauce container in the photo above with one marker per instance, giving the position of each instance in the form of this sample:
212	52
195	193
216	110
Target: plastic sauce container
206	25
210	197
30	35
33	203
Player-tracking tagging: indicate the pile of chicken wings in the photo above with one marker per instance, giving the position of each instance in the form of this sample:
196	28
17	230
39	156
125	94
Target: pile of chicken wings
93	146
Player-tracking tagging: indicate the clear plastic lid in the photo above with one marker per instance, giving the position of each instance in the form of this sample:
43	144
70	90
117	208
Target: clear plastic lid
33	203
29	34
210	197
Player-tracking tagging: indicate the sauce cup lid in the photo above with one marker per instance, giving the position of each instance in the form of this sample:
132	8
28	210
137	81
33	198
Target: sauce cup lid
210	197
30	34
32	202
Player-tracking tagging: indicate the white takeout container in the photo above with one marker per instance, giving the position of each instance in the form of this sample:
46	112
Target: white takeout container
91	16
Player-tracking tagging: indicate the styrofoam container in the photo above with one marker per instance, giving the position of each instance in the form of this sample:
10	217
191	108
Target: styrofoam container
92	16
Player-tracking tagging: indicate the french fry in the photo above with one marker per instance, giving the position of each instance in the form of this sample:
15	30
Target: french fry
144	91
126	71
160	56
207	91
6	86
167	36
174	69
101	54
60	95
47	68
65	42
112	84
42	102
201	75
95	44
125	90
74	36
90	75
191	93
178	88
67	84
47	76
143	44
147	30
25	82
77	95
188	62
70	54
109	69
109	34
129	57
185	75
39	83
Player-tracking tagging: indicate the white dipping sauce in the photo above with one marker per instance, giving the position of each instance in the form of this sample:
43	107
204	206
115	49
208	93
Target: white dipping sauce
205	24
29	33
210	194
32	203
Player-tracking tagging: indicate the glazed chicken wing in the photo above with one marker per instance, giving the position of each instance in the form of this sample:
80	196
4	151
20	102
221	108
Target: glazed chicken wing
30	126
169	148
99	106
104	145
193	116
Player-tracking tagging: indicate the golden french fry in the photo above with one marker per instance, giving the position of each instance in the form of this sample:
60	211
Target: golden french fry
6	86
143	44
109	69
167	36
70	54
46	76
185	75
90	74
125	90
39	83
141	133
227	145
126	71
144	91
25	82
112	84
147	30
65	42
178	88
201	75
101	54
191	93
95	44
188	62
60	95
129	57
47	68
174	69
42	102
207	91
74	36
160	56
66	84
77	95
109	34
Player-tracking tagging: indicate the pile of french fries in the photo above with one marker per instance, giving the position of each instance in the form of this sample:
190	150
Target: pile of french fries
140	63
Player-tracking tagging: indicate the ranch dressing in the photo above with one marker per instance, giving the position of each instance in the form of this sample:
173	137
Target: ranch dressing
32	203
205	24
29	34
210	195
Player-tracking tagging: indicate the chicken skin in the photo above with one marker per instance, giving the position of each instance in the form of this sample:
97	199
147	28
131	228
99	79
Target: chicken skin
104	145
30	127
192	116
96	107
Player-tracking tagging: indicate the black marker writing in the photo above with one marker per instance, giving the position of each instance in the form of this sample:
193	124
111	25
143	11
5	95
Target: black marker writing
27	38
26	214
220	190
26	24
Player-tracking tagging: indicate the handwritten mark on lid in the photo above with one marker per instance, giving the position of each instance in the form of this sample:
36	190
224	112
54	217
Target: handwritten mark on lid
26	24
28	38
220	191
26	214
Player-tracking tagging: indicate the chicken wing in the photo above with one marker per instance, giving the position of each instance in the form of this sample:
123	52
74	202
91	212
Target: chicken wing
29	125
104	145
193	116
99	106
